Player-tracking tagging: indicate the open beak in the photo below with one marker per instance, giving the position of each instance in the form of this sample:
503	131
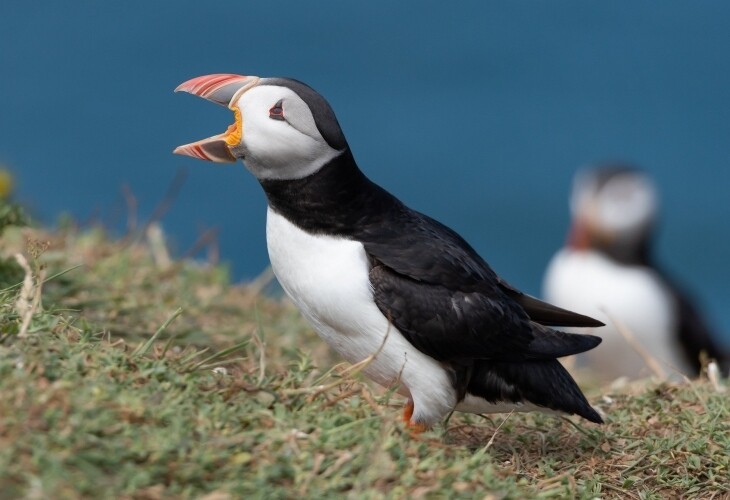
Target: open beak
223	89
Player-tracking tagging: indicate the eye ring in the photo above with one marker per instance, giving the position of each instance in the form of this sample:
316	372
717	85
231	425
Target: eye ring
277	111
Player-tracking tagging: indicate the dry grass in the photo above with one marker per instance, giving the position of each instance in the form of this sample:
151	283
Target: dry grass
112	394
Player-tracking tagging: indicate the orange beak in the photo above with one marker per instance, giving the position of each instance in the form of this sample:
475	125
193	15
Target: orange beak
223	89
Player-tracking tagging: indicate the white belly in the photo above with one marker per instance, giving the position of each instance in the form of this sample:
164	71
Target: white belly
590	283
327	278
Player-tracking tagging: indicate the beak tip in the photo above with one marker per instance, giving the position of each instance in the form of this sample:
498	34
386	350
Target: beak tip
194	150
220	88
213	149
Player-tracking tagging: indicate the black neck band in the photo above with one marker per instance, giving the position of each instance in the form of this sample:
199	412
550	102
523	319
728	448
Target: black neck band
337	199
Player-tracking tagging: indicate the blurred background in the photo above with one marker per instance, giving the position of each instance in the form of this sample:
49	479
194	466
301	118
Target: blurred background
477	114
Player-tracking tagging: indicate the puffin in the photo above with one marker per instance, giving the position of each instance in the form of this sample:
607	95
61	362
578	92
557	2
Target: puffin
381	282
607	269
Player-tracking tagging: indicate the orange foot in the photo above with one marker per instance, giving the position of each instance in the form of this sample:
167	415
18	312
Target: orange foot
413	427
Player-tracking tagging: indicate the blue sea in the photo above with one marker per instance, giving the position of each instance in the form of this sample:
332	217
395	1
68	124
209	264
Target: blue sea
476	112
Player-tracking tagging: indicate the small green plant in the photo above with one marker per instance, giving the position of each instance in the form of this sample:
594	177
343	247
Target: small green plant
12	214
10	272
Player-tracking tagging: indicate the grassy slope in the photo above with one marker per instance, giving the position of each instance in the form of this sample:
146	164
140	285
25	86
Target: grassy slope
90	408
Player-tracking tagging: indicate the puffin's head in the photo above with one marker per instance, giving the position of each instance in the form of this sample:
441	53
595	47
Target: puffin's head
283	129
612	206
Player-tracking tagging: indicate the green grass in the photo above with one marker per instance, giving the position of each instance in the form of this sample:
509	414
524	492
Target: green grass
137	378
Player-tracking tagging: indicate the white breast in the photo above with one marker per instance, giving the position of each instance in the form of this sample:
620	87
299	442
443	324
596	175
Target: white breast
327	278
590	283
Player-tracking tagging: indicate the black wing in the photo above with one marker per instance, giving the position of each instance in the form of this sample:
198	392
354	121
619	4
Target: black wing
695	336
451	325
449	303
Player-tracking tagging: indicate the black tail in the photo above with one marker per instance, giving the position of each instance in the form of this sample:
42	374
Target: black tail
541	382
549	343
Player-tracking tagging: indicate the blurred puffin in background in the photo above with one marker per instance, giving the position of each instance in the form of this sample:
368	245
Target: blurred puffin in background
607	270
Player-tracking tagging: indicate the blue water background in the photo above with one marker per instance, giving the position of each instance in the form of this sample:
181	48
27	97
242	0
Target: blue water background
474	112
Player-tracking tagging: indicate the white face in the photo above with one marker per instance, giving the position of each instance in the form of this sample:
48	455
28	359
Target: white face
280	139
624	206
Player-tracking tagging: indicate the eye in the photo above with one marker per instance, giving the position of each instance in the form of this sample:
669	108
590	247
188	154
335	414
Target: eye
277	111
